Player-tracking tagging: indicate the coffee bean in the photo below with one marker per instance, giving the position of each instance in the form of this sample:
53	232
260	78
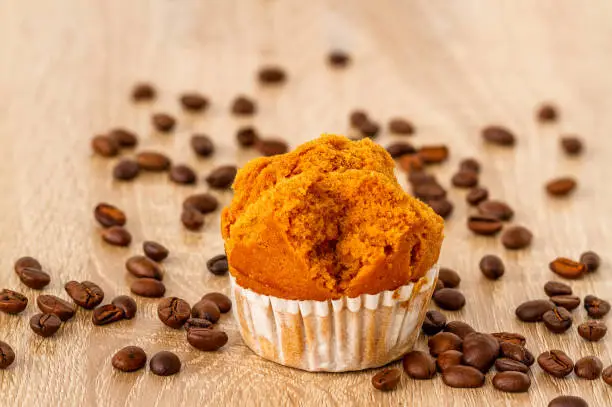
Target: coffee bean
596	307
117	236
498	135
129	359
429	191
173	311
442	207
556	363
433	323
591	260
547	113
197	323
592	330
463	377
143	92
571	145
532	311
469	164
561	186
12	302
338	58
419	365
480	351
418	177
153	161
465	179
443	341
141	266
202	145
243	106
163	122
516	237
369	129
204	203
206	309
568	401
86	294
497	209
569	302
222	301
387	379
510	337
400	126
516	352
449	277
492	267
123	137
126	304
193	101
217	265
449	299
182	174
272	75
104	146
557	320
222	177
459	328
107	314
7	355
165	363
34	278
400	148
510	365
155	251
108	215
553	288
433	154
567	268
484	225
192	219
50	304
606	375
588	367
247	136
448	358
410	163
45	325
511	382
270	147
26	262
148	287
126	170
206	339
476	195
357	118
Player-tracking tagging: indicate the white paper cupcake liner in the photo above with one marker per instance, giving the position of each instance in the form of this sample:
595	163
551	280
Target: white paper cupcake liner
334	335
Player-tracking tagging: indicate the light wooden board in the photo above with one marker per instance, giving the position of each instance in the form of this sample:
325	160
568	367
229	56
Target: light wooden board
66	68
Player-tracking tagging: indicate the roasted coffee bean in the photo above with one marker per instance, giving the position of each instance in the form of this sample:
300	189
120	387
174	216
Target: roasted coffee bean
50	304
419	365
433	323
338	58
126	304
532	311
193	101
104	146
492	267
173	311
26	262
497	209
470	164
387	379
108	215
547	113
510	337
400	148
588	367
459	328
463	377
270	147
124	137
442	207
596	307
7	355
153	161
556	363
117	236
476	195
516	352
448	358
247	136
86	294
218	265
45	325
429	191
449	299
480	350
358	118
206	339
222	177
516	237
222	301
203	203
165	363
418	177
591	260
410	163
155	251
34	278
434	154
511	382
126	170
129	359
592	330
568	401
561	186
553	288
443	341
449	277
271	75
12	302
192	219
606	375
400	126
107	314
143	92
148	287
484	225
369	129
163	122
569	302
206	309
571	145
243	106
197	323
182	174
498	135
510	365
202	145
557	320
465	179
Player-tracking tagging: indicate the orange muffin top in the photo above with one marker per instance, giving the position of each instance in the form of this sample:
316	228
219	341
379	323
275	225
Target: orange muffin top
327	220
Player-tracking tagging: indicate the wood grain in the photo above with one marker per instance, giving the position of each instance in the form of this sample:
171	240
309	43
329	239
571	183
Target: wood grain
66	68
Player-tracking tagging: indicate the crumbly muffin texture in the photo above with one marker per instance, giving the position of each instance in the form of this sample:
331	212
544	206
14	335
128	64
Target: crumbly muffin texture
327	220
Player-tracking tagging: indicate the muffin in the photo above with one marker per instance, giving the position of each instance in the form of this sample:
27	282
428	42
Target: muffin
332	264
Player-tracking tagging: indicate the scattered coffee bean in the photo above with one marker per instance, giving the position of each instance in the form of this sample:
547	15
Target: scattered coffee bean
218	265
571	145
163	122
510	365
557	320
484	225
419	365
568	401
459	328
442	207
197	323
606	375
222	301
448	359
50	304
567	268
192	219
569	302
434	322
243	106
556	363
400	126
410	163
129	359
45	325
429	191
85	294
470	164
591	260
104	146
561	186
553	288
106	314
516	352
155	251
592	330
173	311
148	287
449	277
182	174
449	299
498	135
12	302
476	195
206	339
547	113
588	367
26	262
7	355
532	311
270	147
463	377
516	237
492	267
126	304
203	203
34	278
465	179
153	161
117	236
338	58
193	101
480	351
418	177
510	337
126	170
357	118
141	266
497	209
511	382
369	129
143	92
202	145
206	309
443	341
108	215
222	177
272	75
387	379
165	363
400	148
123	137
596	307
434	154
247	136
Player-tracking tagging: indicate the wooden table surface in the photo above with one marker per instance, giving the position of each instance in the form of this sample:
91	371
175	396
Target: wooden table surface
66	69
